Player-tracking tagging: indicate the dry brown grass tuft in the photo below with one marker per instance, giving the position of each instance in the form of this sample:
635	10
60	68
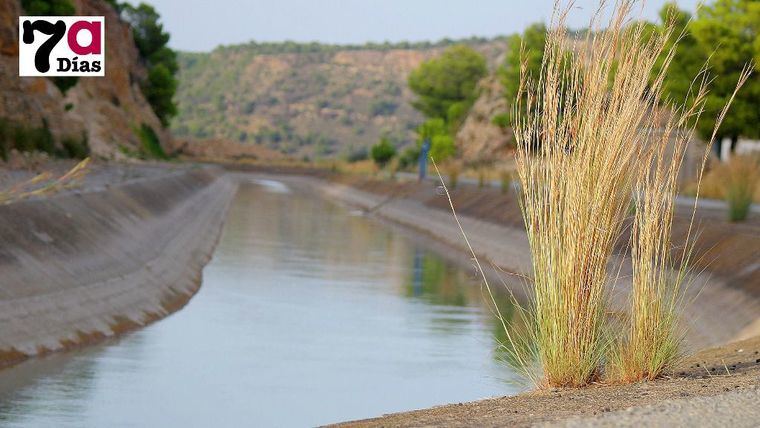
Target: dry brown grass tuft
45	184
590	134
741	177
579	148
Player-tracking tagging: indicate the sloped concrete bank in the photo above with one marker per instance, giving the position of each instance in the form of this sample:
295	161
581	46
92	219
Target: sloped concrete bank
77	268
717	313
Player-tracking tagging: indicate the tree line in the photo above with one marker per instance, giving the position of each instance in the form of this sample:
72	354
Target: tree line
723	35
721	39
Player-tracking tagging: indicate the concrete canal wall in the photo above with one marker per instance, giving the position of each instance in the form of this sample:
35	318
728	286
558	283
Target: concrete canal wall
718	313
79	267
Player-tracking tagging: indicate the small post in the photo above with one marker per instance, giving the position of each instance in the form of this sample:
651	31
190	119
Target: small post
424	150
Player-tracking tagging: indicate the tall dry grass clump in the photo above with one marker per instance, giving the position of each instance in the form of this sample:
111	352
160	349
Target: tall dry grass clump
589	130
741	177
578	149
654	340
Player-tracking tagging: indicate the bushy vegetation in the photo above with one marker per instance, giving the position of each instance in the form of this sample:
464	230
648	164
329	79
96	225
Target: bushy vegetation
524	52
24	138
741	177
357	154
446	86
383	108
442	145
290	47
278	100
48	7
409	157
76	148
152	43
383	152
727	33
151	145
505	181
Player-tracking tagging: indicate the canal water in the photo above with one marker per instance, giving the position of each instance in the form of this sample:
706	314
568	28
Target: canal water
308	314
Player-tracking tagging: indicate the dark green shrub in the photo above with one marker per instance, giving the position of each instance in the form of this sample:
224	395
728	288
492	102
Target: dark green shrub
48	7
151	41
4	139
409	157
159	90
358	154
383	108
64	83
506	181
151	145
25	138
383	152
77	148
43	140
501	120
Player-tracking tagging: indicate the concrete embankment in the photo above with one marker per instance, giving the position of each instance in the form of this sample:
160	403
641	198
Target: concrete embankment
80	267
718	312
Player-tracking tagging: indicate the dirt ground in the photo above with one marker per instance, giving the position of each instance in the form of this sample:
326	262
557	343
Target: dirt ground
710	373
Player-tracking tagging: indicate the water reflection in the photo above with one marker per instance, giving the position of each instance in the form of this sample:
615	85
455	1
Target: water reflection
307	315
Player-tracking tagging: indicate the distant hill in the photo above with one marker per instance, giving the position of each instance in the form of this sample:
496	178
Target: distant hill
306	100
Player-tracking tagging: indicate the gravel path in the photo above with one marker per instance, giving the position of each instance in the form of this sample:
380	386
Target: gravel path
734	409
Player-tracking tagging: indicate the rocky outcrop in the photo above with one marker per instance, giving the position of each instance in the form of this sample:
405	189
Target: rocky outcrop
79	267
479	139
107	110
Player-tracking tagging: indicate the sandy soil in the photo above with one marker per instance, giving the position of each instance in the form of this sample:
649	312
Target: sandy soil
718	372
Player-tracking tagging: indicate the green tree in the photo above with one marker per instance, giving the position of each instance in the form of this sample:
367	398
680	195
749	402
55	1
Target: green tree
442	145
446	86
688	59
383	152
151	41
729	31
527	48
159	91
48	7
726	34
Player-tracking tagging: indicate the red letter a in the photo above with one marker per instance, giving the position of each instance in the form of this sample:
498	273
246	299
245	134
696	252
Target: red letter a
93	28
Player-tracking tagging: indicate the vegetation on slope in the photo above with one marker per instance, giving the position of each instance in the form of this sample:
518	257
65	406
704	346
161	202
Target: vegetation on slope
161	61
305	100
446	88
724	33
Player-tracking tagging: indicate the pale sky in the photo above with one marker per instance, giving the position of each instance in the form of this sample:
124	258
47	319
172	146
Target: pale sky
201	25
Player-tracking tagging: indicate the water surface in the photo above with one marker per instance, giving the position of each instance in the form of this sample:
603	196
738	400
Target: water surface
307	315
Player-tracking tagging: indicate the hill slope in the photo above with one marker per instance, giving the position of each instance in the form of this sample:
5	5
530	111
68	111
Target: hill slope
305	99
104	111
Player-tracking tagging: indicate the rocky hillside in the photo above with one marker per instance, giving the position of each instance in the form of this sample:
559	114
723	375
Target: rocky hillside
105	111
480	139
305	100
